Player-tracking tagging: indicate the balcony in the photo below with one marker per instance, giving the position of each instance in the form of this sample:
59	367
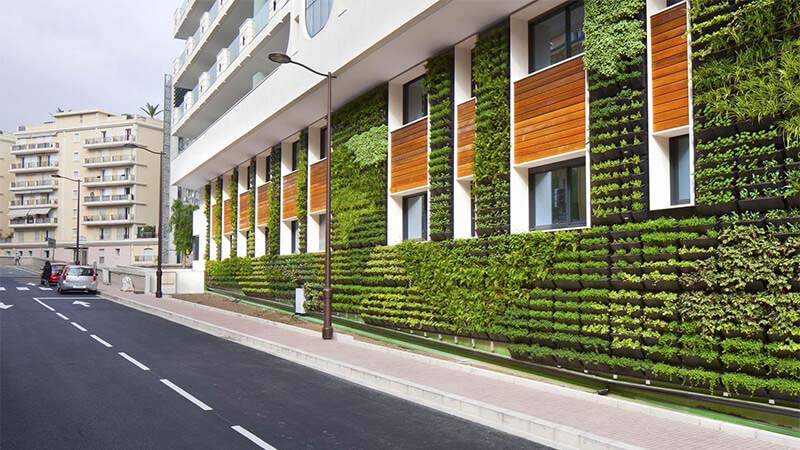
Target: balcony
109	180
21	204
231	75
33	222
144	259
110	161
187	17
109	141
33	149
107	219
34	185
106	200
46	166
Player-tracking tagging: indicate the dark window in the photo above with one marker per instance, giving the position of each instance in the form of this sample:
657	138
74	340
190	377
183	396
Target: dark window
558	195
266	240
674	2
679	177
323	143
295	154
317	13
268	175
250	169
415	217
472	230
415	103
556	36
294	236
322	232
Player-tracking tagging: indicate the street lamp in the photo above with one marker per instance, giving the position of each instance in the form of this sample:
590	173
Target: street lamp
160	209
77	218
327	327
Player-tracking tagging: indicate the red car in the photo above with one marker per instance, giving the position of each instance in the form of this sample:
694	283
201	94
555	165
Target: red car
51	272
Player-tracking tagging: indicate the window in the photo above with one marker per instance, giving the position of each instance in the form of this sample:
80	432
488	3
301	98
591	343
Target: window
556	36
117	251
415	103
295	154
102	260
249	181
76	156
558	195
74	194
415	217
103	233
322	219
323	143
268	175
317	13
473	231
76	137
679	177
294	236
266	240
673	2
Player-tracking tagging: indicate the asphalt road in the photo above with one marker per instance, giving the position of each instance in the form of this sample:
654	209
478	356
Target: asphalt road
104	376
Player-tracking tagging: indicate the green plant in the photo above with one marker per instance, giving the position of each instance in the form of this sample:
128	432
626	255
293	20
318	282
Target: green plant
438	85
233	219
180	225
274	193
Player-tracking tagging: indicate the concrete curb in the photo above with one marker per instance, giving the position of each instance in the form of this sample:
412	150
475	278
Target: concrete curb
528	427
531	428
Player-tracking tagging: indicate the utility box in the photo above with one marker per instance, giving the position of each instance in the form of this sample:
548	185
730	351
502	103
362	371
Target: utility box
299	299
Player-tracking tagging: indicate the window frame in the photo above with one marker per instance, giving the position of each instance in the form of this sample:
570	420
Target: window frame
674	175
294	227
309	4
424	225
567	9
294	155
268	166
406	86
323	143
532	172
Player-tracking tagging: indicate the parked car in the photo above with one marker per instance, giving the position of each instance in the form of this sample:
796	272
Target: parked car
78	278
51	272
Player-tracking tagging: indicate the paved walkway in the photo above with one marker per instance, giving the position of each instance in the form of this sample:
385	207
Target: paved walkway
553	415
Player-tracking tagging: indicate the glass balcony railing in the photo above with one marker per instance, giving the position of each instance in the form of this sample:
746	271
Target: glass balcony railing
33	220
108	178
107	217
35	165
34	183
110	139
36	146
110	159
107	198
36	202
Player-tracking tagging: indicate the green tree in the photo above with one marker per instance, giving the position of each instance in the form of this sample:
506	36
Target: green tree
180	225
151	110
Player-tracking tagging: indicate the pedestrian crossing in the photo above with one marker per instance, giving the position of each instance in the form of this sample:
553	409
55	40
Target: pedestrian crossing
27	288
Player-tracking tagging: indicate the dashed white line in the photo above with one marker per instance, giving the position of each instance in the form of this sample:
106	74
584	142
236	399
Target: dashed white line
186	395
2	289
44	304
133	361
253	438
78	326
22	288
45	288
98	339
62	316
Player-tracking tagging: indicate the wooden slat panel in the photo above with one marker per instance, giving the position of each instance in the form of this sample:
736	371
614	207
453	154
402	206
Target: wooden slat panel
318	185
262	204
409	156
226	217
289	192
550	112
244	210
466	138
670	70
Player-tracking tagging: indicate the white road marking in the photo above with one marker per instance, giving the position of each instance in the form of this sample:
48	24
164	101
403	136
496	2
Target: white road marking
44	304
78	326
253	438
4	306
98	339
133	361
31	284
84	304
2	289
186	395
22	288
41	288
62	316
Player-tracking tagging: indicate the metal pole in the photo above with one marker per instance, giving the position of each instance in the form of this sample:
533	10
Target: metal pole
78	227
327	328
160	227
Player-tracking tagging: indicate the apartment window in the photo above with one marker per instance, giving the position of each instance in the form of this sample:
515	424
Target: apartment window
558	195
103	234
322	218
117	251
323	143
415	217
295	154
268	175
679	176
317	13
556	36
76	137
102	260
415	103
266	241
294	236
76	156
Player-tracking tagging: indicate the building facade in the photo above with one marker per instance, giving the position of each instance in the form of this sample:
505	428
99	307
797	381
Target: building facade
118	192
581	181
6	141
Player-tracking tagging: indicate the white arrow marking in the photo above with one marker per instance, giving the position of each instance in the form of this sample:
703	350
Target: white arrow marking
45	289
22	288
2	289
84	304
4	306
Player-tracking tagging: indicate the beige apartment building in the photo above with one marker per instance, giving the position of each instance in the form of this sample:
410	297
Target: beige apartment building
118	188
6	141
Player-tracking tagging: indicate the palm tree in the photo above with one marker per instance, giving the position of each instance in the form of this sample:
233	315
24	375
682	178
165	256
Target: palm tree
151	110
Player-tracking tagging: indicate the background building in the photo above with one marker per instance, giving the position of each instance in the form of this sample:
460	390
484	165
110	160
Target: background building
6	141
118	194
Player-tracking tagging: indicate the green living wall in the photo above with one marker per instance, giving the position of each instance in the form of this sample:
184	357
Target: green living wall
705	298
274	219
251	232
207	210
233	220
439	89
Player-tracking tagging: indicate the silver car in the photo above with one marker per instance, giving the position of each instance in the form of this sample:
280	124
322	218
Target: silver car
78	278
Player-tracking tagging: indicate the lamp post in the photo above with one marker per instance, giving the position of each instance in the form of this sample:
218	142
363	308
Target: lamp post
160	210
77	218
327	327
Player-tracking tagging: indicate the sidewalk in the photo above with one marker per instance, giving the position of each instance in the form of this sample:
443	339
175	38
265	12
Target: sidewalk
552	415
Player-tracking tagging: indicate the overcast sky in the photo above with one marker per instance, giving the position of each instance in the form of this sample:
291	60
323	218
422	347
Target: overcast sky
82	54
